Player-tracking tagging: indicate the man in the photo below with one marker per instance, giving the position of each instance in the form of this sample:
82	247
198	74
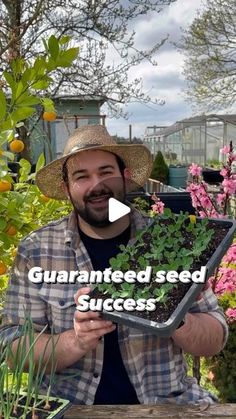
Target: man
99	362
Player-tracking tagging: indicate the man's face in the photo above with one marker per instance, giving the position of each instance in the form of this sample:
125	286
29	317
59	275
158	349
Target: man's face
94	177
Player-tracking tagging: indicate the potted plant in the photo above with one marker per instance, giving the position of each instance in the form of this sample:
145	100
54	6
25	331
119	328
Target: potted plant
197	243
26	402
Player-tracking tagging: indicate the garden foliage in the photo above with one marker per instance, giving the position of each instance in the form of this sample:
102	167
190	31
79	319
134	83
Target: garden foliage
22	207
223	282
160	169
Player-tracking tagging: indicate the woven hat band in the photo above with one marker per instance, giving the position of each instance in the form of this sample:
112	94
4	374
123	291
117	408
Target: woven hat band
82	147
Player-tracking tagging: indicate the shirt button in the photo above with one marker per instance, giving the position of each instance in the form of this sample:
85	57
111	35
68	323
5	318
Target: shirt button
96	375
61	303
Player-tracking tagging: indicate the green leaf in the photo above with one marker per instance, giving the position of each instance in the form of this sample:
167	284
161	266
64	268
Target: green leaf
19	89
51	65
39	66
9	155
47	104
27	76
3	173
9	79
41	84
6	240
22	113
3	106
20	124
53	47
66	58
6	136
28	100
124	294
24	170
3	224
25	164
64	39
18	66
40	163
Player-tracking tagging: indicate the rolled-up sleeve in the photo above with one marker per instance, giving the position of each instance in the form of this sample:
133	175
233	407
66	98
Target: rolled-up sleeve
208	303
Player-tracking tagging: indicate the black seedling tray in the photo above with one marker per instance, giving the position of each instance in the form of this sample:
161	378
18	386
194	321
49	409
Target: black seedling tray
51	414
166	329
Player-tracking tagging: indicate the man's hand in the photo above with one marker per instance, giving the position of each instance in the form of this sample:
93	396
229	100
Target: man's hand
201	335
88	326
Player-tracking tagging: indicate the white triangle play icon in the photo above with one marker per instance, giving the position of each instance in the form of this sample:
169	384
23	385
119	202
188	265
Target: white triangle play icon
116	210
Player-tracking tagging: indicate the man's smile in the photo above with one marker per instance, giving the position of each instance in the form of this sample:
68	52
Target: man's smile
99	201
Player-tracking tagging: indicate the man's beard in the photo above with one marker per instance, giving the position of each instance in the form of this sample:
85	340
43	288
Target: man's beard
95	217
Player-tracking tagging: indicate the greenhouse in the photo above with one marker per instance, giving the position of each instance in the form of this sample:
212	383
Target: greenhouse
197	139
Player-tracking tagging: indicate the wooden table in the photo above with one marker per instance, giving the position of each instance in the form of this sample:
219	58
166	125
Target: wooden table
216	411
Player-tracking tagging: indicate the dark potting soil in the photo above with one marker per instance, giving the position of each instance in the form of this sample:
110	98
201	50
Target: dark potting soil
39	414
176	294
54	404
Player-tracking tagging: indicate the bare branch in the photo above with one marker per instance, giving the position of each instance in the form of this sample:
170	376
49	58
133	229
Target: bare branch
209	46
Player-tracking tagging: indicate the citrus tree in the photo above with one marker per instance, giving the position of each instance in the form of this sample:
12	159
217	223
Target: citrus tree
22	95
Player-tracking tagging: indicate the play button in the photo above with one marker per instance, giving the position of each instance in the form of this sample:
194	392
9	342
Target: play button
116	209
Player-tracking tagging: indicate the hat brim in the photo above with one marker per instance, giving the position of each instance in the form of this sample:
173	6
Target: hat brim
136	157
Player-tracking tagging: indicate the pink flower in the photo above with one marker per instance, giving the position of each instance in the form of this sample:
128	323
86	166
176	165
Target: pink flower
229	186
202	190
228	274
229	287
225	149
224	172
193	187
230	256
231	314
215	214
220	199
195	170
158	207
206	202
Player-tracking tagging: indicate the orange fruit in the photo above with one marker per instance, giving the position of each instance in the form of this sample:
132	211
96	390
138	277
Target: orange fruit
5	186
3	268
44	198
11	230
49	116
16	146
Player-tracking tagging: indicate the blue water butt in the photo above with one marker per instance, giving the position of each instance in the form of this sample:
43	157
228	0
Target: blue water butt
178	176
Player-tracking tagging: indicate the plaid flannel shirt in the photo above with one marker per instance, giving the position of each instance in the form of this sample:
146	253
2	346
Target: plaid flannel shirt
156	366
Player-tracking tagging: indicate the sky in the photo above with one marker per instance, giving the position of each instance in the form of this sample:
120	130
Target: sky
164	81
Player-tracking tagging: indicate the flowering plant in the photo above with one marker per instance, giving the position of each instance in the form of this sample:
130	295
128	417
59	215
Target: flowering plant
218	206
224	281
208	204
158	206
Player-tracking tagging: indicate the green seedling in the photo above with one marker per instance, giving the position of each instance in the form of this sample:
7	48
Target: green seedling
172	242
11	386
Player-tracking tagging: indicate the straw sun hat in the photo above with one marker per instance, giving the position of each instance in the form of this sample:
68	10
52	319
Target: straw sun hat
135	156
